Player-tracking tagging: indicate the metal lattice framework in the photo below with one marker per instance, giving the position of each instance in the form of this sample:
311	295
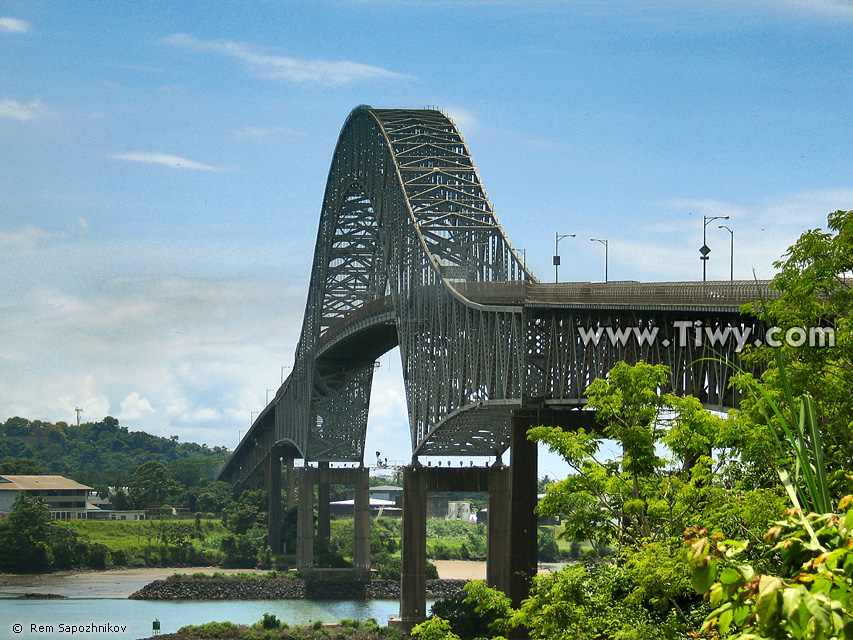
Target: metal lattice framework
409	252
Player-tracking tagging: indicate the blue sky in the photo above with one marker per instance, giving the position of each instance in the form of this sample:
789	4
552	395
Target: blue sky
163	166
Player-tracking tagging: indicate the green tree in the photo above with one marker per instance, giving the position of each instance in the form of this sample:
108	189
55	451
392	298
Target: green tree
151	485
214	497
815	290
31	540
25	535
23	467
249	510
665	472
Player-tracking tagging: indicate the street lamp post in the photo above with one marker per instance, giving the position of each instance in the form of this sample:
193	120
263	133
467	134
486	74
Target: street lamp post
705	250
606	256
557	238
731	253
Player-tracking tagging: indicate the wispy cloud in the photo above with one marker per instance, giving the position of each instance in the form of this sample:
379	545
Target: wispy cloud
265	133
26	237
328	72
829	8
464	119
13	25
173	162
15	110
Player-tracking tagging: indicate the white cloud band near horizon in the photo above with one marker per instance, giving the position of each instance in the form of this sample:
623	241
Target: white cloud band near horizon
328	72
171	161
14	25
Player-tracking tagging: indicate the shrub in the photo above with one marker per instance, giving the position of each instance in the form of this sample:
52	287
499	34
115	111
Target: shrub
270	621
548	549
209	629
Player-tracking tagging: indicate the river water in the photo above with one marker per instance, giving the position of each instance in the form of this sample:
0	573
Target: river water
99	600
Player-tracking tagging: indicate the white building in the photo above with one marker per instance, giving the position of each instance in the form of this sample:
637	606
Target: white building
66	499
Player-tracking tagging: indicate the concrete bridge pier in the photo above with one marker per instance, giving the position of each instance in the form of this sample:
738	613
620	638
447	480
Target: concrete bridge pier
523	521
305	519
512	528
413	551
361	520
291	482
324	527
322	477
272	473
498	535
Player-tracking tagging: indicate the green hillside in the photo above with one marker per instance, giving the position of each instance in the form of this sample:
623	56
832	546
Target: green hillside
102	453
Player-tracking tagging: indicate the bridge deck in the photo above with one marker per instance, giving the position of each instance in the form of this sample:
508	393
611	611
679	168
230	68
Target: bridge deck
681	296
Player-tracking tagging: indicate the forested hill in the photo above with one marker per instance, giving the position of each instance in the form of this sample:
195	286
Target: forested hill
101	453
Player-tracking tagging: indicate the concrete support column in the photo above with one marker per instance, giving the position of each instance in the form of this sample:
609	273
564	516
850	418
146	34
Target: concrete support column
413	574
273	476
324	527
523	520
291	483
499	542
361	521
305	520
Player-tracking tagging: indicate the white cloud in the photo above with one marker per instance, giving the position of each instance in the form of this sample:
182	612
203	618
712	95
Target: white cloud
95	405
134	407
26	237
174	162
328	72
24	112
464	119
13	25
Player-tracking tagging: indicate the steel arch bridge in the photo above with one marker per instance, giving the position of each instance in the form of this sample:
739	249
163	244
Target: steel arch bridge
409	252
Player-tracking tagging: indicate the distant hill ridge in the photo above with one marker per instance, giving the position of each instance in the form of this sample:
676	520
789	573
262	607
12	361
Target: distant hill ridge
101	453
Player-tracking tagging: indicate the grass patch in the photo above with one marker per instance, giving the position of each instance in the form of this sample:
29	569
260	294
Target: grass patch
137	543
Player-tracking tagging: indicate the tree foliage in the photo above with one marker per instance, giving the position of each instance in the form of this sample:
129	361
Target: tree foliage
816	290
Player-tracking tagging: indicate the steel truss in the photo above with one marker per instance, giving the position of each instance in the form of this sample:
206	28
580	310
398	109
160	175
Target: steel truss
409	252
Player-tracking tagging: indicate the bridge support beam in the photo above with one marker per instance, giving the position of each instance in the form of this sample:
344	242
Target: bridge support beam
305	520
272	474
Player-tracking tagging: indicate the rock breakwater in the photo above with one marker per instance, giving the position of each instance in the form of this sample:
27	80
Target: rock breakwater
287	589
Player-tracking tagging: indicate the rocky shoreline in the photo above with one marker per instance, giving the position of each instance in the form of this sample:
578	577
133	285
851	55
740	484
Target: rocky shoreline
287	589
